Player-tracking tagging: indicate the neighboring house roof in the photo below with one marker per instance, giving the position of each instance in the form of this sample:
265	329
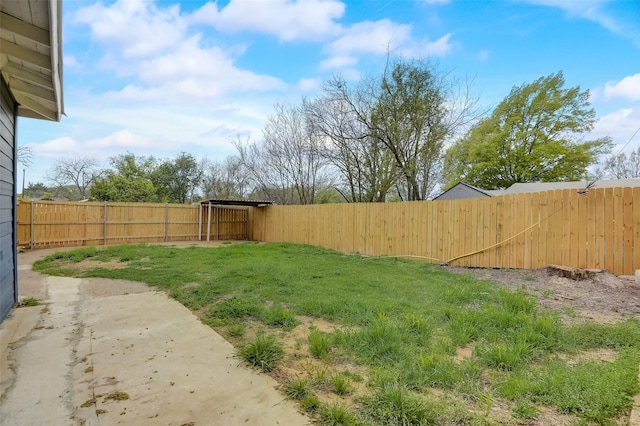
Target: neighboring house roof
520	188
463	190
31	56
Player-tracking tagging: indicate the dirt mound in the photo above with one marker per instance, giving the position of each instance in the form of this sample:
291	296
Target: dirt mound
601	296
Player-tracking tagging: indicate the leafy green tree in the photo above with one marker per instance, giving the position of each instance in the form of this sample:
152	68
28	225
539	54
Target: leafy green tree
35	190
177	180
119	188
128	181
409	118
534	135
387	133
131	166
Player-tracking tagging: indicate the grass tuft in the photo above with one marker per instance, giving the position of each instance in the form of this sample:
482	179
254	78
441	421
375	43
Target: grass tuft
298	388
319	344
394	405
277	316
341	385
264	352
336	415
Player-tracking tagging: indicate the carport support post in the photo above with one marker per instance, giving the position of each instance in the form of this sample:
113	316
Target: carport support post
208	221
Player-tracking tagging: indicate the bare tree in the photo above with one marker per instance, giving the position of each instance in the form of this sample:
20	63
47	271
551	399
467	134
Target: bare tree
367	171
25	156
287	165
622	167
225	179
78	173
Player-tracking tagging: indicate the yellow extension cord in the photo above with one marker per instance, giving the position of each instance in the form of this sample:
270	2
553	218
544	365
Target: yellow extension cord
491	246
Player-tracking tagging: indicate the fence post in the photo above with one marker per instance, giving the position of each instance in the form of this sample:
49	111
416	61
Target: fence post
217	223
31	227
166	223
104	231
200	222
246	224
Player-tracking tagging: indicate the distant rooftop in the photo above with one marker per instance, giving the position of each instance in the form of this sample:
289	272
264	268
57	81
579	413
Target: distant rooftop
463	190
519	188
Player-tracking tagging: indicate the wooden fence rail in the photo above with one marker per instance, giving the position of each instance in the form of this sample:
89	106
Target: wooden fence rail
597	229
44	224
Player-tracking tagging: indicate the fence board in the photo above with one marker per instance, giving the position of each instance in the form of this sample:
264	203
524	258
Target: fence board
627	236
609	224
617	236
636	229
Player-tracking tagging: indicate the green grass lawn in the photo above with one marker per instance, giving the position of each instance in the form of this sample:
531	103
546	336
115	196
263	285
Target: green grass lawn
412	343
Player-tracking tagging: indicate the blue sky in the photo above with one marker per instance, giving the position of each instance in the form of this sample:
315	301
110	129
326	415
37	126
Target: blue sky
161	77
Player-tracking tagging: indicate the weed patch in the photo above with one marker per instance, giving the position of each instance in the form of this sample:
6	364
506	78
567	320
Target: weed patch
28	301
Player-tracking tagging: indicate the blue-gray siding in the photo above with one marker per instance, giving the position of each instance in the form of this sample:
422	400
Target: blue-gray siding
8	257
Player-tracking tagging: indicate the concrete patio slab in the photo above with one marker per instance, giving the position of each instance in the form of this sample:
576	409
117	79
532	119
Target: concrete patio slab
102	353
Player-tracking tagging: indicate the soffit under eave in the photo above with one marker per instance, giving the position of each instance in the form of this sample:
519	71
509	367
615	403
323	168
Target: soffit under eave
31	56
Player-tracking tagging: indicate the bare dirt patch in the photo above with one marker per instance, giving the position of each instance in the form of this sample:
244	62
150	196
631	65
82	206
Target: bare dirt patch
103	287
599	355
603	298
88	264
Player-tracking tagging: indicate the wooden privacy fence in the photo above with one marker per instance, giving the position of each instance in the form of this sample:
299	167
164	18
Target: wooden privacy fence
44	224
597	229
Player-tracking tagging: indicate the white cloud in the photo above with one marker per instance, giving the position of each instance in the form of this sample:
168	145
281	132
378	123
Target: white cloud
337	62
288	20
164	62
620	125
440	47
120	139
137	28
379	38
56	148
628	87
98	148
370	37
